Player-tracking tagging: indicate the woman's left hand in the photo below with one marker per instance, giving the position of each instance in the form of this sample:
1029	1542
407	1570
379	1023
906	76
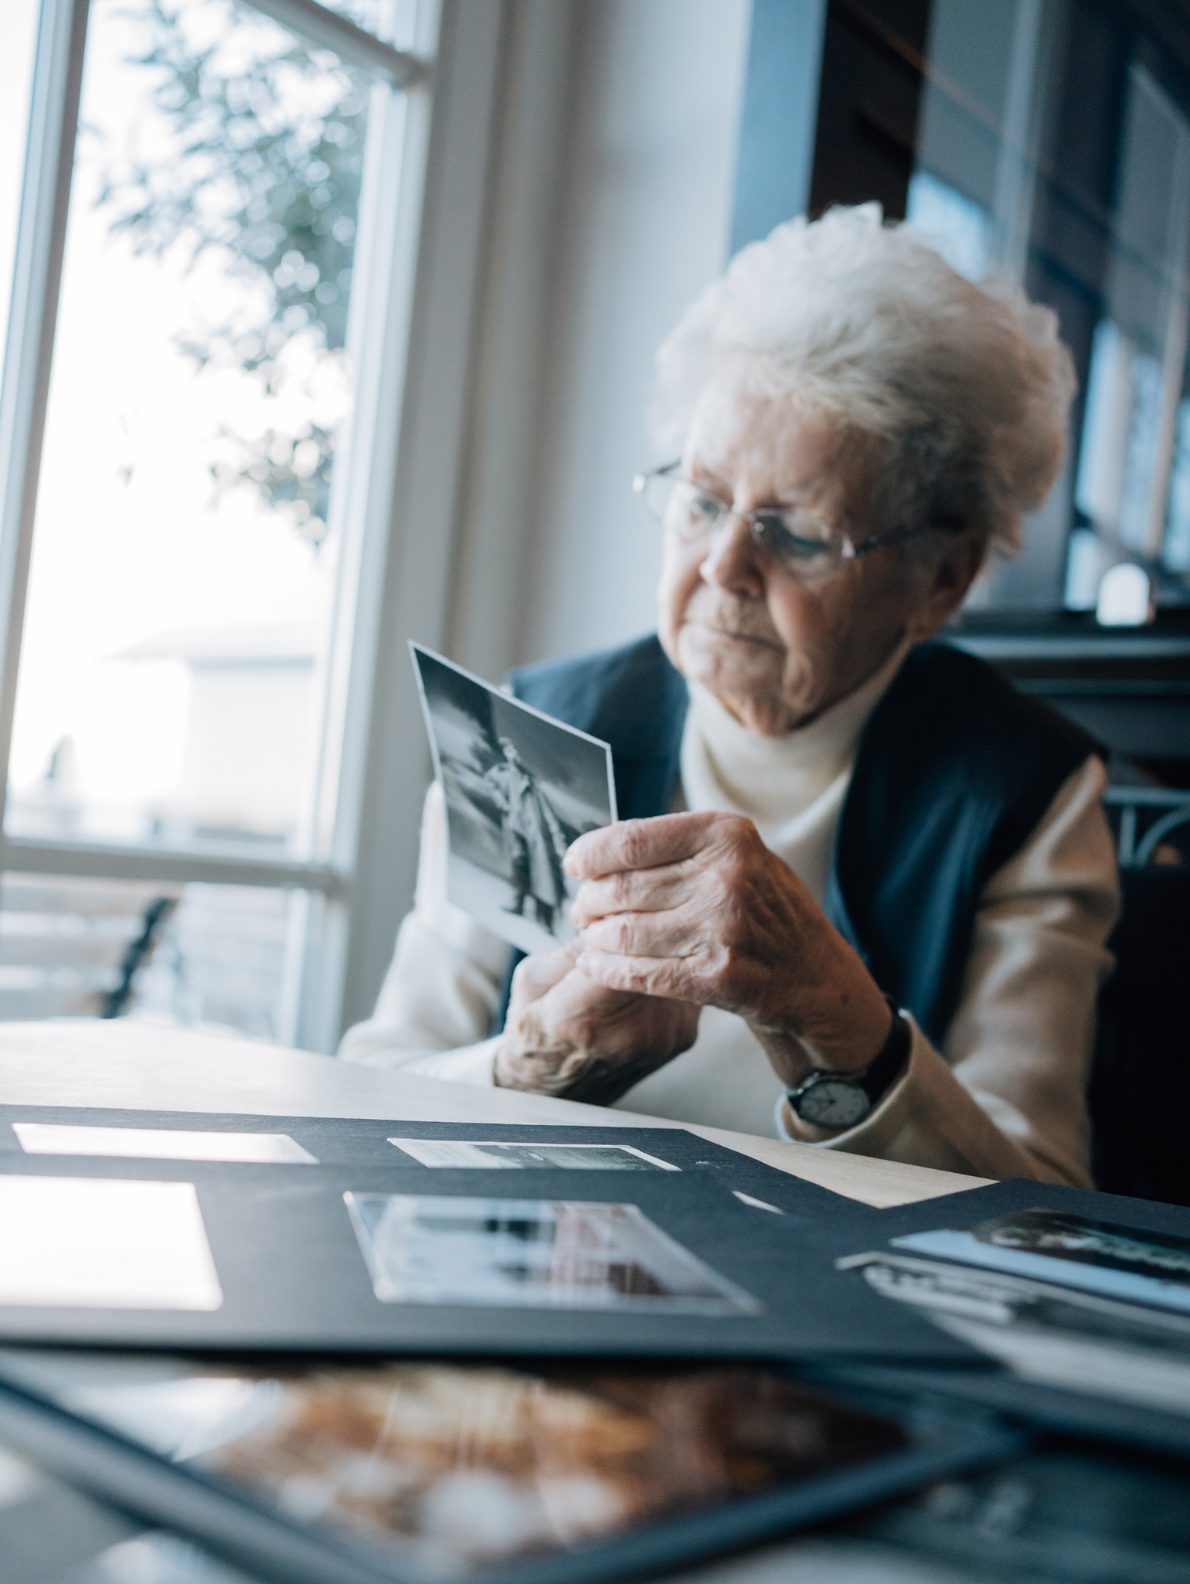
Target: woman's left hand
696	907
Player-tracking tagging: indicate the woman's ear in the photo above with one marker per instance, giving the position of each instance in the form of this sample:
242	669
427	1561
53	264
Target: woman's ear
947	582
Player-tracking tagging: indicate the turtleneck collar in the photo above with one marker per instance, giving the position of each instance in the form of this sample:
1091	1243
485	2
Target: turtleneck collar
773	778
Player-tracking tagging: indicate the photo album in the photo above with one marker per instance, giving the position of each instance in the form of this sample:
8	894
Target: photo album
368	1237
411	1343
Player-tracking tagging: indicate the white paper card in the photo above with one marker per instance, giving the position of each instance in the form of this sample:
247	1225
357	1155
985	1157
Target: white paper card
97	1244
53	1138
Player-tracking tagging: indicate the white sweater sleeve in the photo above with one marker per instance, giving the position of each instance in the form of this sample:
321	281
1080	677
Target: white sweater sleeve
1005	1096
443	985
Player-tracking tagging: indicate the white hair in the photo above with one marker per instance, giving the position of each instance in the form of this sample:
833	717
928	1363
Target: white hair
967	387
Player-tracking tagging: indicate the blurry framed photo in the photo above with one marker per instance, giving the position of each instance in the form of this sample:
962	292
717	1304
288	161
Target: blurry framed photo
427	1473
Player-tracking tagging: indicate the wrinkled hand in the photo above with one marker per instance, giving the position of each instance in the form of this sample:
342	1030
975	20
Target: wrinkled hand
696	907
565	1034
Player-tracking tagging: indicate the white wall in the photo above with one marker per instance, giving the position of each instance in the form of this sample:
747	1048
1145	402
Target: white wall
644	224
611	210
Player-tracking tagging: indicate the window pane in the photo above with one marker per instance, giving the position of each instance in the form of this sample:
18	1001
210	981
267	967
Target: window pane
18	36
195	955
182	578
75	948
224	959
1049	144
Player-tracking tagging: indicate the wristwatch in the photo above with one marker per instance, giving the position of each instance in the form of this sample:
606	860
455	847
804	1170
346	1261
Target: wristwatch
843	1100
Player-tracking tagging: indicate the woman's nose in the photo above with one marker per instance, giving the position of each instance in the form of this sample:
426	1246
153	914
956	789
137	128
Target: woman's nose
732	560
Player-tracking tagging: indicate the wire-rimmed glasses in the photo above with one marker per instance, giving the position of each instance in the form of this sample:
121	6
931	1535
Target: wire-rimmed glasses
793	538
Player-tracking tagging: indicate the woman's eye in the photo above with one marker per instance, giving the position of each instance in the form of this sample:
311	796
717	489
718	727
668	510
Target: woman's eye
705	506
697	513
796	534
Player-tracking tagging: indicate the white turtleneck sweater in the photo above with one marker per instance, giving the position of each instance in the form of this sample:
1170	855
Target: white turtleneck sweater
1002	1098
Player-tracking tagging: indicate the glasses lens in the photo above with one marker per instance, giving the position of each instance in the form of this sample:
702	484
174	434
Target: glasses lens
686	511
800	542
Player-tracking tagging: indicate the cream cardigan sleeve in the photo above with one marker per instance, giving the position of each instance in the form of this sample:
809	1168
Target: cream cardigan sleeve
443	985
1005	1096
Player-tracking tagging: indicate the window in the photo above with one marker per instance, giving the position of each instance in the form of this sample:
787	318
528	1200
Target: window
210	231
1046	141
1053	146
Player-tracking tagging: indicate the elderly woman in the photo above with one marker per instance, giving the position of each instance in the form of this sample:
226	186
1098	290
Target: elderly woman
862	888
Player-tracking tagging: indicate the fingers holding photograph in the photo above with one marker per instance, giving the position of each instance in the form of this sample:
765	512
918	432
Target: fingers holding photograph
518	789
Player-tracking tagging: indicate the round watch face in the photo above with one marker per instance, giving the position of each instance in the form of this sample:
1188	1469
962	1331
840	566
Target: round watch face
833	1102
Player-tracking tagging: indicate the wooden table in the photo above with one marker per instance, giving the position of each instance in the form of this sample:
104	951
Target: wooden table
139	1066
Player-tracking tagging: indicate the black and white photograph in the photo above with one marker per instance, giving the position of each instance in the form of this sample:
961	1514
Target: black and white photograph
533	1155
1049	1334
519	788
531	1253
1072	1250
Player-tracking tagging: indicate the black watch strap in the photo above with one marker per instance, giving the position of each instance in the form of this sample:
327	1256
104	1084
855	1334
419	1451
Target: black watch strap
892	1058
820	1098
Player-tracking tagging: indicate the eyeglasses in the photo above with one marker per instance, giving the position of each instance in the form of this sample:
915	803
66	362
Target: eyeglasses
794	539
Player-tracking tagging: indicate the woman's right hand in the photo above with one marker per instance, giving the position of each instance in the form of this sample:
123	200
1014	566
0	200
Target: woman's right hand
567	1036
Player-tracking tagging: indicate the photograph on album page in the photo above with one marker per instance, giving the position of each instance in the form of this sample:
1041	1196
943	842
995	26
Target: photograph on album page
443	1471
514	1253
1090	1253
518	788
528	1155
1044	1333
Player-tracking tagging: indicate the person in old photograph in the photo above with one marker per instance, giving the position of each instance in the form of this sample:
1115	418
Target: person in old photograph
861	888
533	838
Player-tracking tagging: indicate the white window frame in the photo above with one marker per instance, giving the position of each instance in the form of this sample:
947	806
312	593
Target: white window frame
417	269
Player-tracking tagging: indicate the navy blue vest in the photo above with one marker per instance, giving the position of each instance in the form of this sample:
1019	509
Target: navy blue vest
954	769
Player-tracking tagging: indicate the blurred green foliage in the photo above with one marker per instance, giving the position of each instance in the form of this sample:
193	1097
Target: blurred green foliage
255	159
